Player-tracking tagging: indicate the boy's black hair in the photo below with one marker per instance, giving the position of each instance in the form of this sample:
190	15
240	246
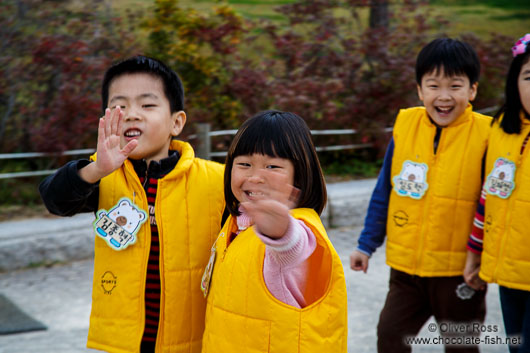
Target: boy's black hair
512	107
142	64
284	135
451	55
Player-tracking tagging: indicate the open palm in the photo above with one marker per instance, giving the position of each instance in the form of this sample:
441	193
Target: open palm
110	156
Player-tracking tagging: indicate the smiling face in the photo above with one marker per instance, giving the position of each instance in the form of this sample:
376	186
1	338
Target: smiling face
523	84
444	97
252	174
147	116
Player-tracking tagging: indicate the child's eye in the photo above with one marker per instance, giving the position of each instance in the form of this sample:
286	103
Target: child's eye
148	105
432	86
242	164
456	86
272	166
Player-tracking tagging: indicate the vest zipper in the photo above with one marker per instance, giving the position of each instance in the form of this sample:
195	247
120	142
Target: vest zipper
159	339
144	272
437	143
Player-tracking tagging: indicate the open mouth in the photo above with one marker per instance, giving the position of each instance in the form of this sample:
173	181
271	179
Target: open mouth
132	133
444	110
252	194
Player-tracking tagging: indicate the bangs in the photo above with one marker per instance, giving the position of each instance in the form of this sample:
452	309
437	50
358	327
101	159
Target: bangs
267	136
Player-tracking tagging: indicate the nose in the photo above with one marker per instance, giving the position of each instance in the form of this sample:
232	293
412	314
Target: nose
445	94
256	177
131	114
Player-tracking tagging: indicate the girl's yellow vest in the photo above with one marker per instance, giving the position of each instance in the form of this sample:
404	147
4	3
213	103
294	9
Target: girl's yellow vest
434	196
189	207
243	316
506	255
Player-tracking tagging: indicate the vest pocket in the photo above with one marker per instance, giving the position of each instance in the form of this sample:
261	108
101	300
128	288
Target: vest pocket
229	332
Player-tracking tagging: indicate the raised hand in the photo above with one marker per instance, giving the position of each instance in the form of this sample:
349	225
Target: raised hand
269	206
110	155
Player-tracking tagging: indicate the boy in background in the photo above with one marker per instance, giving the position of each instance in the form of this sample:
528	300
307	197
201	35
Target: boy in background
425	198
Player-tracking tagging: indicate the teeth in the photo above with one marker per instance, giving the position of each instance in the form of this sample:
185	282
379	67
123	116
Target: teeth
444	109
132	133
250	193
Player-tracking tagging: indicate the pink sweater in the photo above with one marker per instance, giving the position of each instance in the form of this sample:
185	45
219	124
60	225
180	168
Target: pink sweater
285	265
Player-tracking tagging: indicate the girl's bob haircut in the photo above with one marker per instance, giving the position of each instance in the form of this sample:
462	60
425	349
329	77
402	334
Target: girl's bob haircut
511	110
281	135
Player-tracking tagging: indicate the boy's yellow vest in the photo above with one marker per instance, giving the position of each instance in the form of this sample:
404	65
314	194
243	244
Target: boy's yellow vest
243	316
506	255
189	206
434	196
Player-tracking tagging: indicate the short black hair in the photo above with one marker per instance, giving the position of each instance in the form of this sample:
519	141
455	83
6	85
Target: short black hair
512	107
173	87
284	135
451	55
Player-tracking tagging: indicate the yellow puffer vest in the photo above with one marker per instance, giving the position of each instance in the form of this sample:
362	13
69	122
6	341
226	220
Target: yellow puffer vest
506	255
434	196
243	316
188	209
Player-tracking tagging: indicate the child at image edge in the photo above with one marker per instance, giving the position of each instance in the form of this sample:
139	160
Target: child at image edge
503	215
158	212
425	199
277	284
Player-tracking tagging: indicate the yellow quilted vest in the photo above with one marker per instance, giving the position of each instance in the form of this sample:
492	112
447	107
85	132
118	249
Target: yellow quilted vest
506	255
434	196
188	208
243	316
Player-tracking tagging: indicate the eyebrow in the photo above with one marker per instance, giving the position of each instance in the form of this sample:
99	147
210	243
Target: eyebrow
141	96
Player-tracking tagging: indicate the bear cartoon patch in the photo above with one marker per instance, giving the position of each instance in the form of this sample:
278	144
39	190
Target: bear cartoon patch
120	224
412	181
500	181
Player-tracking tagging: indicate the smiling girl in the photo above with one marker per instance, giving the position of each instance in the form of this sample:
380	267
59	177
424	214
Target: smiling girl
277	283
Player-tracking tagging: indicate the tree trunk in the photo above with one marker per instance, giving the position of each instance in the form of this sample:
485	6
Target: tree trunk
379	14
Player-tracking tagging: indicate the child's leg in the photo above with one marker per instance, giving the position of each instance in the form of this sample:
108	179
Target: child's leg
406	310
458	319
515	305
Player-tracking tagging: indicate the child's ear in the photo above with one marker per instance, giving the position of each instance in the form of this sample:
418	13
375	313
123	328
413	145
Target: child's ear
420	93
178	120
473	91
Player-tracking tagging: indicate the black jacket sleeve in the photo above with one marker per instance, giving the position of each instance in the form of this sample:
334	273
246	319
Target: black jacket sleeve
65	194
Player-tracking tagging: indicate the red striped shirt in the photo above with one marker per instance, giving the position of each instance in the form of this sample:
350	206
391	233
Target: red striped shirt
152	285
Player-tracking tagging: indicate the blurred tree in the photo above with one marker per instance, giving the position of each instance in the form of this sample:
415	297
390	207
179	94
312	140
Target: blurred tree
52	61
202	48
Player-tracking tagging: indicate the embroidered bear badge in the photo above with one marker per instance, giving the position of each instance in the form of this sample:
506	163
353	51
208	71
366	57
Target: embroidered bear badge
412	181
120	224
500	181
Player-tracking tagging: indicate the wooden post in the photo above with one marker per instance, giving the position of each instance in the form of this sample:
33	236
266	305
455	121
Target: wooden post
203	137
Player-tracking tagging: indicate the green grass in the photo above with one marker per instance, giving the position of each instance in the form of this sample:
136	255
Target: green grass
483	17
505	4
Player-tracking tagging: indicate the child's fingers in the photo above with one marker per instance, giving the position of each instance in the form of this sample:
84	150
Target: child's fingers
277	186
108	121
120	124
116	117
129	147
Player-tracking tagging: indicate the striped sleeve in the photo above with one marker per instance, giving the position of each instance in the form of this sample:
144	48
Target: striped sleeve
476	237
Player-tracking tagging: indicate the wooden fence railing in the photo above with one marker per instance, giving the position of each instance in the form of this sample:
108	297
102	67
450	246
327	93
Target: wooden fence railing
203	147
